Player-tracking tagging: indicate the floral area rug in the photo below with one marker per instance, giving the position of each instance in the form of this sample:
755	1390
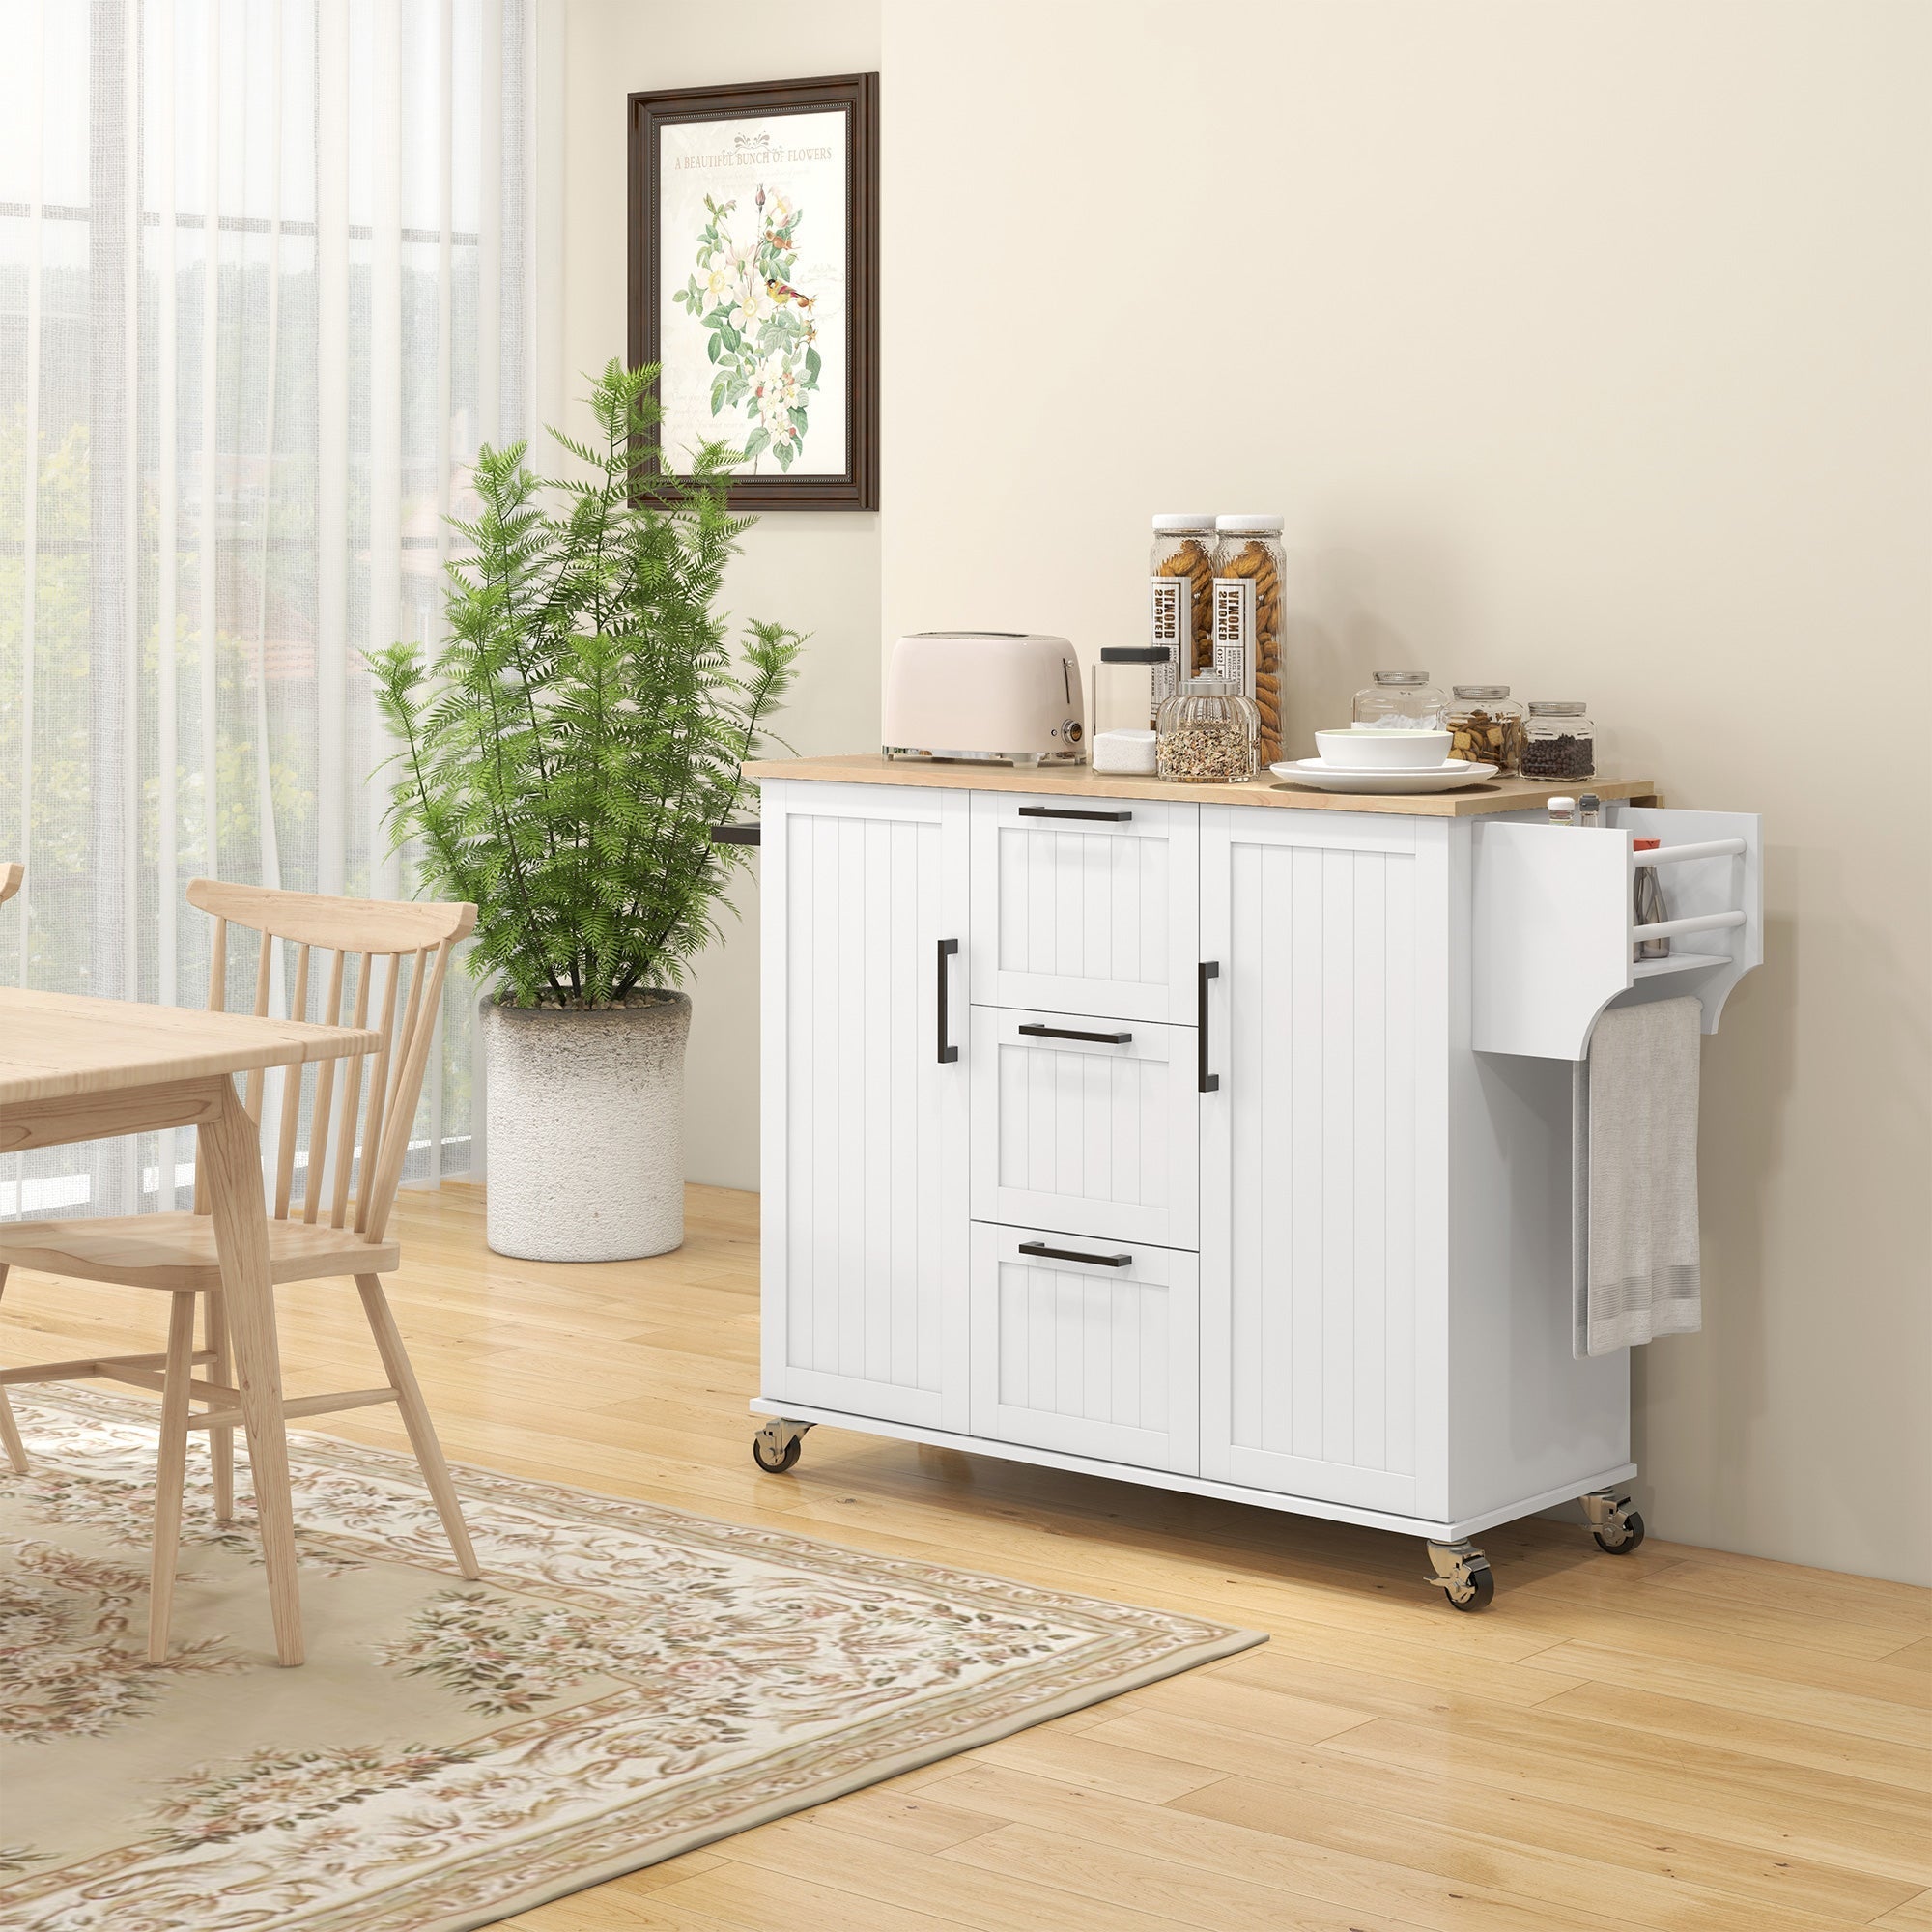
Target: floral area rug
624	1684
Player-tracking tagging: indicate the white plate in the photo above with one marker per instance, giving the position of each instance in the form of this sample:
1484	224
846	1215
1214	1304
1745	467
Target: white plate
1446	777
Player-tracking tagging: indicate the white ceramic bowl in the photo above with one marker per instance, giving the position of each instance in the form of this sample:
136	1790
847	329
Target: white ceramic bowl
1382	751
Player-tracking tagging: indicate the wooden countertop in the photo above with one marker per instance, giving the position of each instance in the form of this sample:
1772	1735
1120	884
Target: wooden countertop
1077	781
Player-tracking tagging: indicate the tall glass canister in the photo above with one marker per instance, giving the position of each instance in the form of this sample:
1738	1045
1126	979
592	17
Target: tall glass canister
1247	617
1181	603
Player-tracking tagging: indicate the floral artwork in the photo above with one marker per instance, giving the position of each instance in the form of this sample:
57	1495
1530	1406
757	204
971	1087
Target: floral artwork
625	1683
753	269
762	339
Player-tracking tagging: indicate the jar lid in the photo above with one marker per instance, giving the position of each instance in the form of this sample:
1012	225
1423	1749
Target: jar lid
1207	685
1480	690
1402	678
1556	707
1250	523
1183	523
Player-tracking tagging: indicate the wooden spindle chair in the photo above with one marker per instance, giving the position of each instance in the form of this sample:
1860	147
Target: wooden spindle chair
397	955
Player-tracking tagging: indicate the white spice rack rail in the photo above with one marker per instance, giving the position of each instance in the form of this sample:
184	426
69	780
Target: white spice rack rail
1553	939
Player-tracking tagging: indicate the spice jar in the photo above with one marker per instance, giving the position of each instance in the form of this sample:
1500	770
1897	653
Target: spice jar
1487	726
1247	616
1180	602
1208	733
1401	701
1558	740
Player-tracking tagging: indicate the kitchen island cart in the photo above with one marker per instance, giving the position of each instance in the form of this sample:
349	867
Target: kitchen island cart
1212	1137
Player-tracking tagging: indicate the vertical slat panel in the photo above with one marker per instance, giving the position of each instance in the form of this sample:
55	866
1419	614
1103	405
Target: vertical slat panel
1398	1090
801	1148
352	1095
873	1147
291	1087
1369	1160
915	1335
824	1083
1302	1016
1042	955
850	1074
324	1096
1015	898
1337	996
932	919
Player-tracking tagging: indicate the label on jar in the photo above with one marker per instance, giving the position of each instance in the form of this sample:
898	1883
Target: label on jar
1170	625
1235	630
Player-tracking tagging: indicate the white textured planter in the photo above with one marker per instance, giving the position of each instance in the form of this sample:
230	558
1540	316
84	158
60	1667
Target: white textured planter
585	1123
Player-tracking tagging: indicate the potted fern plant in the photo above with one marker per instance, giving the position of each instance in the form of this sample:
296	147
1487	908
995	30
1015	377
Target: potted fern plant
564	754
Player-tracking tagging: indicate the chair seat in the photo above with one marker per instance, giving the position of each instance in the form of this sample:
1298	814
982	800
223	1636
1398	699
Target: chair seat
176	1252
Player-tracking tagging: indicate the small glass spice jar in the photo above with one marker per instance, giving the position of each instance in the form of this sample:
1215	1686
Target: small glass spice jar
1207	735
1486	724
1401	701
1558	740
1180	595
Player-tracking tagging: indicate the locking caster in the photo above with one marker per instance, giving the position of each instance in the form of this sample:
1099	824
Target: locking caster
777	1445
1463	1573
1617	1528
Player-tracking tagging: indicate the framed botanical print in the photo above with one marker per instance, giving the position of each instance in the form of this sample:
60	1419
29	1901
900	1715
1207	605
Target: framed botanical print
753	282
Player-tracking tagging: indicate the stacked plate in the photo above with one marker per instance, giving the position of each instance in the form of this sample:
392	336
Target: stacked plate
1368	760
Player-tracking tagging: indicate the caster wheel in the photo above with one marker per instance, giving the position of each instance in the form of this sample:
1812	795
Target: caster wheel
786	1461
1633	1535
1482	1591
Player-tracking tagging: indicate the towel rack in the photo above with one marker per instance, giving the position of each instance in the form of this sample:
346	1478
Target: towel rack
1707	848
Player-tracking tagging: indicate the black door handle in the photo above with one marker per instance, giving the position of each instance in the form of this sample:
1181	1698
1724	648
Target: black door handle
1074	1033
947	1052
1047	1254
1066	812
1210	969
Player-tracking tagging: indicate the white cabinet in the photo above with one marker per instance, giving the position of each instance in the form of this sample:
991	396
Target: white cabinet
1223	1147
1085	1345
1085	1124
865	1107
1323	1157
1085	906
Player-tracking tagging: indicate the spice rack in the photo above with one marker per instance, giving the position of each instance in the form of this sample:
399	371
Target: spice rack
1553	938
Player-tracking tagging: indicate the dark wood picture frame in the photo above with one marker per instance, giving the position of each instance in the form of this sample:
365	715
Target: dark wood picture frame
856	96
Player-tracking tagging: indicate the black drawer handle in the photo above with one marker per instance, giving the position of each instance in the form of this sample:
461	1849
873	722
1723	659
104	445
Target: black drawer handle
1066	811
1211	968
1074	1032
1047	1254
947	1052
736	832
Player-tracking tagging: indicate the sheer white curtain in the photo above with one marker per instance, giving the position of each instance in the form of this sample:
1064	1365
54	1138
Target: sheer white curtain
262	290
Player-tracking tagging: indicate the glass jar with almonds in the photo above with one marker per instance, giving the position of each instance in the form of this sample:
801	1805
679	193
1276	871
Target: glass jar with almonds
1180	600
1247	616
1485	727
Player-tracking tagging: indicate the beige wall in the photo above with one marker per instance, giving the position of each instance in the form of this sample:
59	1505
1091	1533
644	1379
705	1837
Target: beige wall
818	571
1586	347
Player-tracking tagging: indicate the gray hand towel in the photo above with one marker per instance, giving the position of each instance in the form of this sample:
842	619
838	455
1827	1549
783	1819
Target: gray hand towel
1633	1227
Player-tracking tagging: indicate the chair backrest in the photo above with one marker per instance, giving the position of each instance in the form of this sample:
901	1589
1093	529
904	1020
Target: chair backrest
12	873
391	942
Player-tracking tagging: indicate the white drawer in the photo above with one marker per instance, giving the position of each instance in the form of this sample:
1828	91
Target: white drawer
1087	1346
1086	905
1086	1125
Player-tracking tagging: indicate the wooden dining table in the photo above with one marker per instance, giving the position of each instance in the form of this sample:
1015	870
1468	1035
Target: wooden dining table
78	1068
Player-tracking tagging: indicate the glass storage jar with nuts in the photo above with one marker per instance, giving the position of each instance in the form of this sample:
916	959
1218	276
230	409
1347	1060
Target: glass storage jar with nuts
1558	740
1180	600
1486	724
1207	734
1401	701
1247	616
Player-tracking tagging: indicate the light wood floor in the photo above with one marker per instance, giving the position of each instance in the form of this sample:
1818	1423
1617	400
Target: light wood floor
1678	1739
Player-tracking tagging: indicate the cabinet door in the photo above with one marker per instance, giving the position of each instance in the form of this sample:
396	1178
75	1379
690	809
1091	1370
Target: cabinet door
1322	1164
1085	1124
1085	906
1090	1356
865	1104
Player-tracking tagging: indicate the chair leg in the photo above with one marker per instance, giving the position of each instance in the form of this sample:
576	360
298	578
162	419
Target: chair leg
221	1440
170	1473
9	1434
415	1419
